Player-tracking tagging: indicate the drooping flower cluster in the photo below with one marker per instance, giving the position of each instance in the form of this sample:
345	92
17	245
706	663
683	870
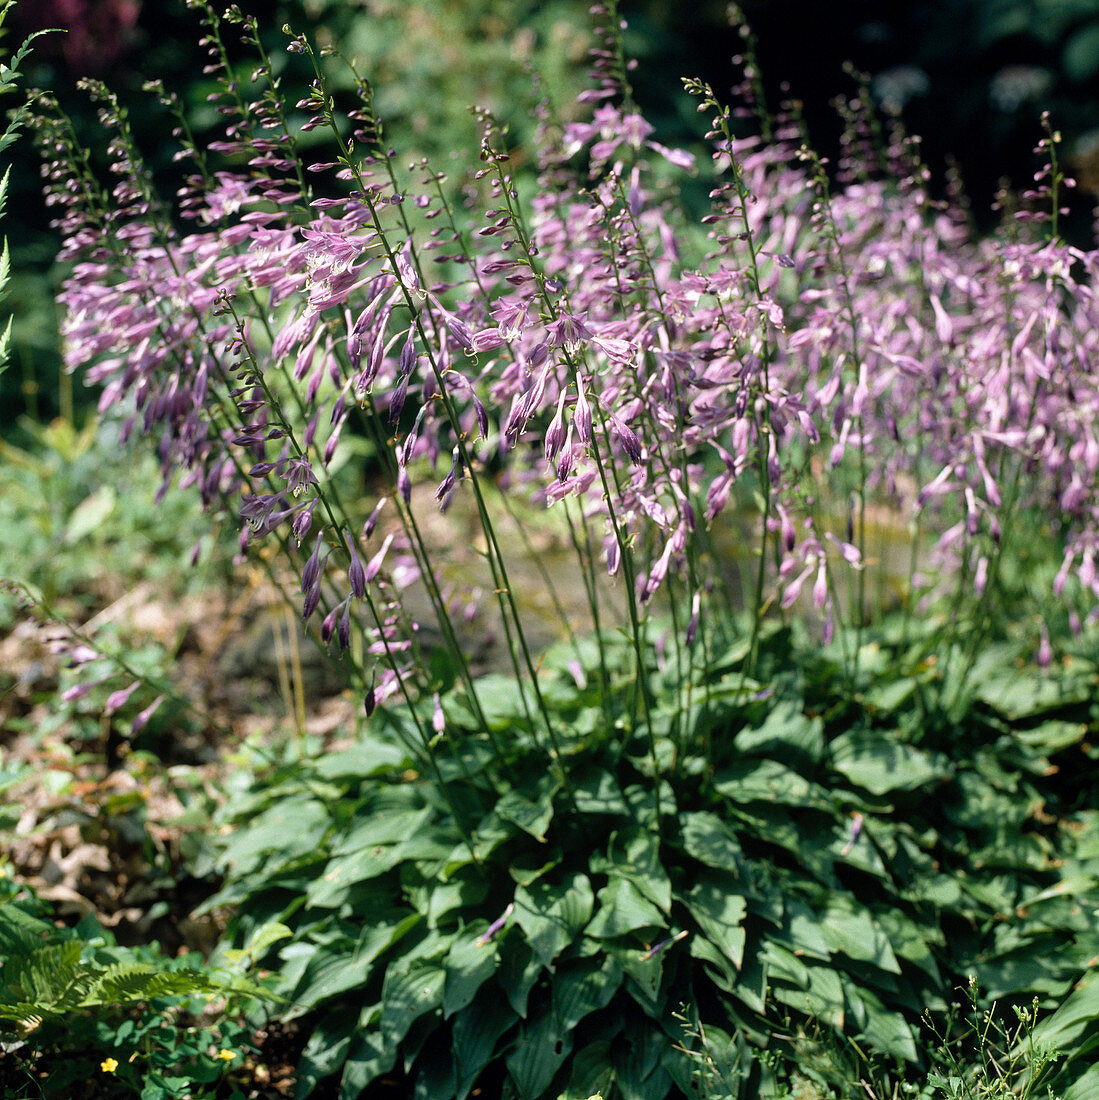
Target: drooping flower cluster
855	337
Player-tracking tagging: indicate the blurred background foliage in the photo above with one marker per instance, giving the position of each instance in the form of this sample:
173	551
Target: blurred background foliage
970	76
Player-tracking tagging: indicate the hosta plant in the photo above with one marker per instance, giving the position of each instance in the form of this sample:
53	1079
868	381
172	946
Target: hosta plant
524	876
810	862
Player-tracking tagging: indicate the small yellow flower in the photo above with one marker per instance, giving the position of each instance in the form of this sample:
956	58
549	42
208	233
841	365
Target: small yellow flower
225	1055
108	1065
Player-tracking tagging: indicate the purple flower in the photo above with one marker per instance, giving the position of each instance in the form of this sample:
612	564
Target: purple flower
493	929
568	332
118	699
555	433
299	476
581	416
141	720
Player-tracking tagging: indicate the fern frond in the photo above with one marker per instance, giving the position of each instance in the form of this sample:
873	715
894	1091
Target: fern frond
20	932
120	983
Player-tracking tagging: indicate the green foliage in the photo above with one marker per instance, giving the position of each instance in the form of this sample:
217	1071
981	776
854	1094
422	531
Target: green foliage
9	81
80	511
818	859
75	1005
981	1057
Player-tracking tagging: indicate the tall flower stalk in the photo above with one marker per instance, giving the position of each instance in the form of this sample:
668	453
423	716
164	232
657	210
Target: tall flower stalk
836	348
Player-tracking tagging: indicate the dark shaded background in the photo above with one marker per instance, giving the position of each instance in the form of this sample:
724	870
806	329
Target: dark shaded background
971	77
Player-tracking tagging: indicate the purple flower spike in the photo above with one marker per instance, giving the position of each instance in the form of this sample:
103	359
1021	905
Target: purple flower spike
446	486
142	719
311	571
582	414
627	438
490	933
356	574
404	484
663	945
118	699
555	433
375	562
311	602
856	830
343	632
328	626
372	519
692	625
303	521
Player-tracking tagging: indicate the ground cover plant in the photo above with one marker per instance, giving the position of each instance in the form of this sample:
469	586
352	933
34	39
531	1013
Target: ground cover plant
782	796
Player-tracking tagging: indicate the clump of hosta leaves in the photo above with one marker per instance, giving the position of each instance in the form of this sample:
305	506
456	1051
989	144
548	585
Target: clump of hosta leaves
813	858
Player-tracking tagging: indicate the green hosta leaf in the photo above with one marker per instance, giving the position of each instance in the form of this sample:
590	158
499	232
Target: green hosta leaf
709	840
490	833
552	915
476	1031
882	1029
20	933
1032	971
531	815
1085	1087
293	826
582	987
464	890
635	854
518	971
1080	58
776	825
327	1048
804	932
1024	693
781	963
852	930
389	823
1079	884
1052	736
90	514
469	964
590	1072
623	908
367	758
596	792
644	972
374	847
785	732
540	1052
332	969
501	700
881	766
888	697
263	938
911	941
371	1056
1076	1017
638	1072
821	997
720	970
407	995
767	781
719	913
